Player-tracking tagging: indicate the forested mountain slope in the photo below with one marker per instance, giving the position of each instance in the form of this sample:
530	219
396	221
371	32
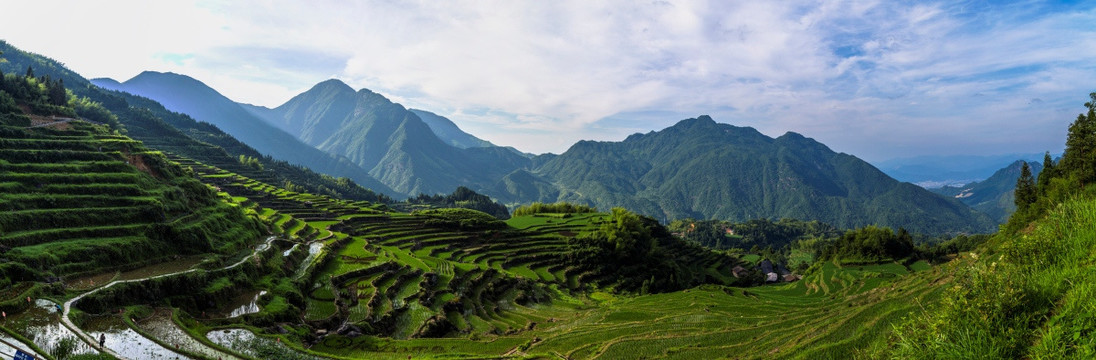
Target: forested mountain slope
701	169
393	143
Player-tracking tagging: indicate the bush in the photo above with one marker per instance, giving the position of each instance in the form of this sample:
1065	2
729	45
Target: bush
556	208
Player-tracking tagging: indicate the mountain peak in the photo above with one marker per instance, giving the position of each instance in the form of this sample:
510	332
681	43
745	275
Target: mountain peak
793	135
106	82
170	80
147	74
332	85
699	121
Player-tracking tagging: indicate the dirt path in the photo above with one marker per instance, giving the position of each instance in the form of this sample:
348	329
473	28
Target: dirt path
95	344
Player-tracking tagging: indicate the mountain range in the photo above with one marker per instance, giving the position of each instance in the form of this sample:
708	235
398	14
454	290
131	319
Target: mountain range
697	168
933	171
702	169
993	196
391	142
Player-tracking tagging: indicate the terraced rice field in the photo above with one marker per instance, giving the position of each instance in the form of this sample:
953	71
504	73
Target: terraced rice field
83	200
829	315
505	293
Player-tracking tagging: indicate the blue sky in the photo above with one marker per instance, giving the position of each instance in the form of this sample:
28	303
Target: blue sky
877	79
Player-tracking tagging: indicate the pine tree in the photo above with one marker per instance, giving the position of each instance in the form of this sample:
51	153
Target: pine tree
1025	189
30	72
1049	172
57	94
1080	156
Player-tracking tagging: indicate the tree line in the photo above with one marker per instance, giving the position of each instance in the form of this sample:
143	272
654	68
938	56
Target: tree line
554	208
1072	175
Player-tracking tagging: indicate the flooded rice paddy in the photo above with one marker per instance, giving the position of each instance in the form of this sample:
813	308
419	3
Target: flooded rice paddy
41	324
243	304
8	346
248	343
124	340
160	326
314	249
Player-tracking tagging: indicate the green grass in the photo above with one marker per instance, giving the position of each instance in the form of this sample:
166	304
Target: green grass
1027	295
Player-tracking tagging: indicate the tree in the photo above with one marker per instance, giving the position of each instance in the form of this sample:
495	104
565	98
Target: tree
57	94
1049	172
30	72
1025	189
1079	158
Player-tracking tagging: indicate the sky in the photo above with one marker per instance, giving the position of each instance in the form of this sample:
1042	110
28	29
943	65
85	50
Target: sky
876	79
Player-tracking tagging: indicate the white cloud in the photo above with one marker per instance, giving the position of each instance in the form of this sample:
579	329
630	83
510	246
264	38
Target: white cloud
877	79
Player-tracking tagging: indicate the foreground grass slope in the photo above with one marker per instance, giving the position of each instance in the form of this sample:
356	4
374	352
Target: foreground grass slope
1029	292
1028	295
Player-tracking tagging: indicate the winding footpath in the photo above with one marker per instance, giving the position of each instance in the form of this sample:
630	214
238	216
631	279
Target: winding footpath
95	344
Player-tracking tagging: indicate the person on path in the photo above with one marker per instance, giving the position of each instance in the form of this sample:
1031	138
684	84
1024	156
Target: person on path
102	339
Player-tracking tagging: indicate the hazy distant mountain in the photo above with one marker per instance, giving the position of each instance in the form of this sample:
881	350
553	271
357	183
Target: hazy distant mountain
936	171
394	144
186	95
993	196
701	169
448	132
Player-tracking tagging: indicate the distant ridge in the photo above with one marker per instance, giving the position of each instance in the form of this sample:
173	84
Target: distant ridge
449	132
187	95
393	143
936	171
992	196
702	169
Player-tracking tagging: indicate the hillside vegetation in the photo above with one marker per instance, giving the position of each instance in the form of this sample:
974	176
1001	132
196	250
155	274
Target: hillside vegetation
78	198
1029	292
